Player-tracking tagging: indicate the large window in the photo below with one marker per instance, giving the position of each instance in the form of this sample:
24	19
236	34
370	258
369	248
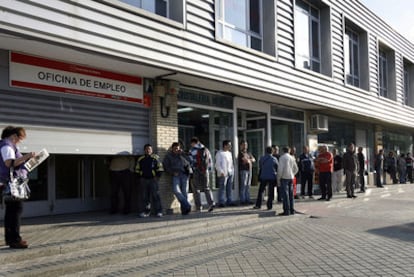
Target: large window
408	82
172	9
352	57
382	71
386	72
247	23
356	63
312	37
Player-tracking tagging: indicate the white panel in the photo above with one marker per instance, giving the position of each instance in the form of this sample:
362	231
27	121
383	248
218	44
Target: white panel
74	141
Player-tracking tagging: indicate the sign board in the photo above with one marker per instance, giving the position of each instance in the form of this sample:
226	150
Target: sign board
32	72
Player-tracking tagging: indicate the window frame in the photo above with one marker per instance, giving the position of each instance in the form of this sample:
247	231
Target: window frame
352	41
314	62
222	24
382	73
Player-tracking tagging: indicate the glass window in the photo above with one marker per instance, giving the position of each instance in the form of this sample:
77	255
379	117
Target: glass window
159	7
382	70
285	133
352	57
240	21
406	86
68	176
307	36
38	182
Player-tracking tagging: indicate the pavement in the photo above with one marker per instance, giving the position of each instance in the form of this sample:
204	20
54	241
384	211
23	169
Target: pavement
372	235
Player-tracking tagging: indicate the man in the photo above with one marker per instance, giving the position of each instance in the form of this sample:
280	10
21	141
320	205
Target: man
379	166
350	164
391	166
307	169
277	156
286	171
177	164
149	169
409	164
268	172
325	161
225	174
245	161
121	176
337	171
361	169
201	163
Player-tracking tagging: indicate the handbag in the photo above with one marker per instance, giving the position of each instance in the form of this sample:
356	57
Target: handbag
17	188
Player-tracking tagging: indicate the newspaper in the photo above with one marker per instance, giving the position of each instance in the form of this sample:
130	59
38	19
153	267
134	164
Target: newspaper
36	160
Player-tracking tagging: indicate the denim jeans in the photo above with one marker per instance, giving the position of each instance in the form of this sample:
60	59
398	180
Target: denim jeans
180	189
286	188
245	182
225	184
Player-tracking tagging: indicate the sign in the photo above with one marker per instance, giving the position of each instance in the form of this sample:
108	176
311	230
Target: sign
43	74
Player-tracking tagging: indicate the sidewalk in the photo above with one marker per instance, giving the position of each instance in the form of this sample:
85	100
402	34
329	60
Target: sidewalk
89	242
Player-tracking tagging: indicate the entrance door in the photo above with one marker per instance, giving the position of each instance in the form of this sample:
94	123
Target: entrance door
256	141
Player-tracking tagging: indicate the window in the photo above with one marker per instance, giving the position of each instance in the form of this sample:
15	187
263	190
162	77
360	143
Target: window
408	80
352	57
386	72
307	36
356	64
247	23
406	86
382	71
312	36
172	9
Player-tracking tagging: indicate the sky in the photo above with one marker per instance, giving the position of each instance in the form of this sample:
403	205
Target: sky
397	13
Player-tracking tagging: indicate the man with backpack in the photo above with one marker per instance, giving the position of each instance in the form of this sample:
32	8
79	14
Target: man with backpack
201	163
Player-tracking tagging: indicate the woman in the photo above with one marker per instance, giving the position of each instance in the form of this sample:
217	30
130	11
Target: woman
11	157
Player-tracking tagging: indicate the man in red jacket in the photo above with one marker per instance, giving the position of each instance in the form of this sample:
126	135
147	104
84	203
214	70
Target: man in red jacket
325	160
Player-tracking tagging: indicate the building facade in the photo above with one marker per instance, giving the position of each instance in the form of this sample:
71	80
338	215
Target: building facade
92	79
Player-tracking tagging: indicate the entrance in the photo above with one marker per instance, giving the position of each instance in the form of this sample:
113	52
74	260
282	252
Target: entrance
252	128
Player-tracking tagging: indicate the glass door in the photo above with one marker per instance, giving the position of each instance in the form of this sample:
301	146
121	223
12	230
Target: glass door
256	141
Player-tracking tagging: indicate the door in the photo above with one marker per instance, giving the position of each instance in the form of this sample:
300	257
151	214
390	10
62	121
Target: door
256	141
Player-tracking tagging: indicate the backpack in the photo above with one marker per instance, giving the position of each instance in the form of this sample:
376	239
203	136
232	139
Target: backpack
202	160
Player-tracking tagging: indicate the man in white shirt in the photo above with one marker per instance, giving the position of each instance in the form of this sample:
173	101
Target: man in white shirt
285	173
225	174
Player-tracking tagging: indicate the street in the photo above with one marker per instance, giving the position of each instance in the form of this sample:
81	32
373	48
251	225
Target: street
372	235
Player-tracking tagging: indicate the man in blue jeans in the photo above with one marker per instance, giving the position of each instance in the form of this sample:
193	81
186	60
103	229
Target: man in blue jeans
286	171
225	174
178	165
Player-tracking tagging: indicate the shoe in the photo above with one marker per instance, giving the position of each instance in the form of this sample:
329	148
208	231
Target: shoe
232	204
284	214
19	245
269	208
361	191
142	215
354	196
222	205
159	214
311	197
303	196
322	198
211	208
328	199
256	208
349	196
292	212
187	211
381	186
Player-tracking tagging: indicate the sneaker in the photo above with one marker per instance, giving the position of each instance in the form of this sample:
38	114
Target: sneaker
159	214
142	215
